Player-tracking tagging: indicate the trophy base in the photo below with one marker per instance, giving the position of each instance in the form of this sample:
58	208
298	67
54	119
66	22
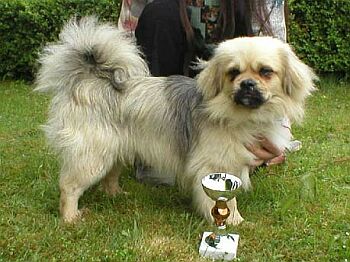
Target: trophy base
225	248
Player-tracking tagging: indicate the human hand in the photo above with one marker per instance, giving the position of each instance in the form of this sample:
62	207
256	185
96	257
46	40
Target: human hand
266	152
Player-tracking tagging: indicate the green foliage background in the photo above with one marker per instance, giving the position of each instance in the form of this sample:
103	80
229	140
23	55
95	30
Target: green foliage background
318	31
26	25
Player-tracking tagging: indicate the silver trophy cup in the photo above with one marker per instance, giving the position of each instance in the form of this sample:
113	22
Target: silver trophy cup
220	187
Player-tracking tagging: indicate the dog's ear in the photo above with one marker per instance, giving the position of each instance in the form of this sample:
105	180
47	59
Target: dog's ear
210	79
299	79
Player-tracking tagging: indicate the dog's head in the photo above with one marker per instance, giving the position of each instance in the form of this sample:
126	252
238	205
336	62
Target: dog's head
252	74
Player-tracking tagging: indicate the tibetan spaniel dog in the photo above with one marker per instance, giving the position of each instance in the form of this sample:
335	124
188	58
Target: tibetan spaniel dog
107	110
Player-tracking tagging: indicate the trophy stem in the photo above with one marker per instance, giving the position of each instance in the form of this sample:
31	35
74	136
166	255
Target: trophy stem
220	212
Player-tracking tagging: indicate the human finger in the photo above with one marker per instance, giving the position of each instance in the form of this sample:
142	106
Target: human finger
260	153
270	147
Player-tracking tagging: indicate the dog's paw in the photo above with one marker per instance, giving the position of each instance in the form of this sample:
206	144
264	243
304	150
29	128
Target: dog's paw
112	189
74	217
235	219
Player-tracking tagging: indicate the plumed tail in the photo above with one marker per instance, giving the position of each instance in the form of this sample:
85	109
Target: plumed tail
88	51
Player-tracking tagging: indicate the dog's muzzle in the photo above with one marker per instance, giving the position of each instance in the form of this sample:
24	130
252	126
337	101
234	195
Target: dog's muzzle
248	94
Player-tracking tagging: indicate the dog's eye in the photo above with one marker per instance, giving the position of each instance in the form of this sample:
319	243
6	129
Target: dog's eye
233	73
265	71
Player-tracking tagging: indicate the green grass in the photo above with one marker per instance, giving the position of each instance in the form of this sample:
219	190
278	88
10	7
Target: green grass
298	211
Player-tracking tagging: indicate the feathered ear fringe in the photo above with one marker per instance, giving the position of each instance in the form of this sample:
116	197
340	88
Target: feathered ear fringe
210	80
299	80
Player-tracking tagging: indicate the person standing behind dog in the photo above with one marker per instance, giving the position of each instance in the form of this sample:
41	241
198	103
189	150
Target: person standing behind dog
203	24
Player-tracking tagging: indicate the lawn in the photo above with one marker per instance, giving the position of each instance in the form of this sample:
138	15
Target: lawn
298	211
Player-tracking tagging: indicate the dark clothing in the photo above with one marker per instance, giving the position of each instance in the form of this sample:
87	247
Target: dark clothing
161	36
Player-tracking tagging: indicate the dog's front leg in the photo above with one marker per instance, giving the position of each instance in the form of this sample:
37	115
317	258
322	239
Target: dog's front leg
235	217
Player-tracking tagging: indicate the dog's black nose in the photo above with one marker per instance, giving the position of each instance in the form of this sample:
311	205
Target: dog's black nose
248	84
248	94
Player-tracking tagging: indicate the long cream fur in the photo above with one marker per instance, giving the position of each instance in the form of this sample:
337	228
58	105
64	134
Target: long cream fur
107	109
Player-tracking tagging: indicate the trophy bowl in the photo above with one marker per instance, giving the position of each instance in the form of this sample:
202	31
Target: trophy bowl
221	186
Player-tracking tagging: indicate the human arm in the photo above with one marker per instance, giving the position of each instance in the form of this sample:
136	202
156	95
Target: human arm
129	13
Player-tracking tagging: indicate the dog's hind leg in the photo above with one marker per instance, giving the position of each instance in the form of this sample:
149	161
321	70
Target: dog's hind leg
74	180
110	182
